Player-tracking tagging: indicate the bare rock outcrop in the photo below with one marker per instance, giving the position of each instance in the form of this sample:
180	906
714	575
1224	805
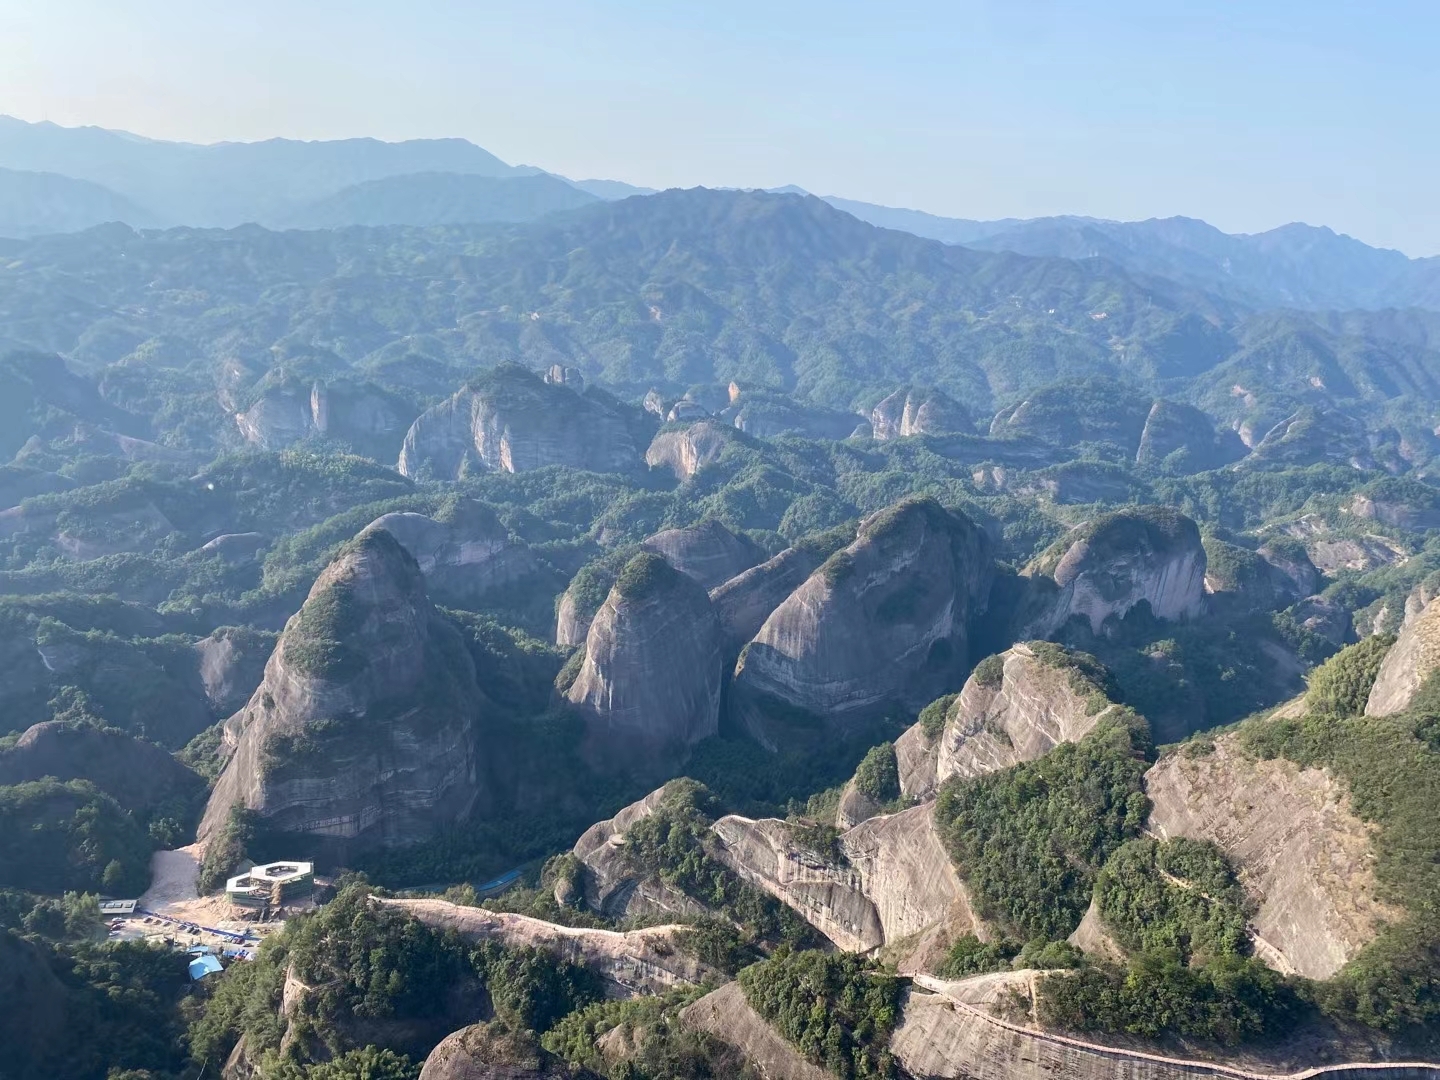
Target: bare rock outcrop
464	551
917	412
725	1015
634	962
889	880
510	420
137	774
1413	658
743	603
613	885
1171	428
368	418
1109	565
649	687
1301	853
688	450
1017	706
491	1052
708	553
361	732
231	662
884	621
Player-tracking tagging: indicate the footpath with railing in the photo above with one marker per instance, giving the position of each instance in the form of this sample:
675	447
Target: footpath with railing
1407	1070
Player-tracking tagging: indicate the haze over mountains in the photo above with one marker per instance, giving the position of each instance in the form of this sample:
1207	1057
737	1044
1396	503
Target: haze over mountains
55	179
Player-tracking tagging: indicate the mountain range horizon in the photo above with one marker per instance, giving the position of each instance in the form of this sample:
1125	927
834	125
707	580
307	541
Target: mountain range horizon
23	150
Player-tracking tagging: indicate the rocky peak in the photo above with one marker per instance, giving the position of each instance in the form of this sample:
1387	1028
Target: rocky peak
1171	428
745	601
685	451
708	553
511	420
1016	706
361	731
1413	658
882	622
649	686
1107	566
917	412
464	551
491	1052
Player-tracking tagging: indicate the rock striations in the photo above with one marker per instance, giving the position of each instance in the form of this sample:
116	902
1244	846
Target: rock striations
889	878
649	687
464	551
1017	706
510	420
745	601
361	732
685	451
708	553
1413	658
883	622
917	412
1302	854
1107	566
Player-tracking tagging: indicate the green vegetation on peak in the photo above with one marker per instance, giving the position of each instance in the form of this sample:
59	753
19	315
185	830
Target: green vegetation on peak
1031	840
646	576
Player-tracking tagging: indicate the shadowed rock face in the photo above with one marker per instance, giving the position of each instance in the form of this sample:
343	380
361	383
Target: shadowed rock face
745	601
709	553
1170	427
512	421
1300	851
688	451
724	1014
1109	565
882	622
650	684
361	732
917	412
369	418
1019	714
464	554
491	1052
138	775
232	662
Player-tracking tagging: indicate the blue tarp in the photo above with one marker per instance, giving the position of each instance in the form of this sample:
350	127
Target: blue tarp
204	965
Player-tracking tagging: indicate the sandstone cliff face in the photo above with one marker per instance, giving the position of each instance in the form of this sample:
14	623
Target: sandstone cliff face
512	421
613	885
571	627
1300	852
635	962
1170	427
917	412
893	882
1109	565
687	451
882	622
650	684
367	417
1001	719
465	553
708	553
138	775
743	603
232	663
1410	661
361	732
727	1016
485	1052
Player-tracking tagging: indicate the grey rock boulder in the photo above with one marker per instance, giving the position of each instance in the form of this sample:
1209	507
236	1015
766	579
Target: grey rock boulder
649	687
882	623
465	552
708	553
362	732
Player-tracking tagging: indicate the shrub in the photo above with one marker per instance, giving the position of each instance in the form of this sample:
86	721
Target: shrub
1341	685
878	775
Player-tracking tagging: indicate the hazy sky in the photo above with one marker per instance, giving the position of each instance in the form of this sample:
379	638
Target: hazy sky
1248	114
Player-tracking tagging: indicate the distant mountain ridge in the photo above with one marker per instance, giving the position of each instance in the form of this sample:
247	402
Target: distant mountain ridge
292	184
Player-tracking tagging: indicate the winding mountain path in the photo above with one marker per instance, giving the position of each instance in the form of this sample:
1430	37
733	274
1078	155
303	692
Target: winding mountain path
1358	1071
